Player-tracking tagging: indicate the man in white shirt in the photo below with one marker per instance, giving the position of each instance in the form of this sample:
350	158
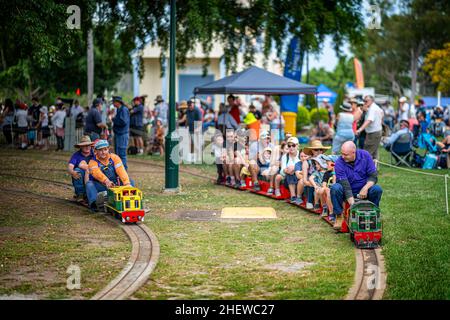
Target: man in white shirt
372	126
405	110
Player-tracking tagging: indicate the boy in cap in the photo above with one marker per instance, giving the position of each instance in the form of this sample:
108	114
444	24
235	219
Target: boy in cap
329	178
316	179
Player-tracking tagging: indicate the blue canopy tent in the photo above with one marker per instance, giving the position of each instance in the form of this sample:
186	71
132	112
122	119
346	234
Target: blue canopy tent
324	92
433	101
257	81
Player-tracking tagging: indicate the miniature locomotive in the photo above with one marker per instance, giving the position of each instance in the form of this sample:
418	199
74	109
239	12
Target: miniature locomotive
125	203
364	224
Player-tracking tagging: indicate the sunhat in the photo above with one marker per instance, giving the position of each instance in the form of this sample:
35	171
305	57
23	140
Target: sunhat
315	145
321	162
84	141
345	106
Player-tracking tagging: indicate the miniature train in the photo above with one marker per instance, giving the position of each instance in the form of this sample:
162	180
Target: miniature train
362	220
123	202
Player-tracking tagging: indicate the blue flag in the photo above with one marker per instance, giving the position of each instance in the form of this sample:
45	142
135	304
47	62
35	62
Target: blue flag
292	70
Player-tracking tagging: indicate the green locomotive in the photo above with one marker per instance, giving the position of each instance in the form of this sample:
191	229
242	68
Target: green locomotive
365	227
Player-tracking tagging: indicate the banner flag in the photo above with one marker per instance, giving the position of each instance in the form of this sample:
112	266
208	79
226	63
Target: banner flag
359	74
292	70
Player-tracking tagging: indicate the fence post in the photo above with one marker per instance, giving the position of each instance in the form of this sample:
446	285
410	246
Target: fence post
446	193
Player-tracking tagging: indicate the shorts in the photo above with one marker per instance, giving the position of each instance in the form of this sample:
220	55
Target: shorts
45	132
21	130
136	131
291	179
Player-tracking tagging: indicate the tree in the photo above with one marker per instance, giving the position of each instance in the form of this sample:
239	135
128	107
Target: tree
342	73
437	64
36	36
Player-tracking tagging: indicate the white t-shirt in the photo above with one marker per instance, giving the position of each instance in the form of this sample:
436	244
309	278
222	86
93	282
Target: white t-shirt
58	119
21	116
404	114
286	162
375	114
44	122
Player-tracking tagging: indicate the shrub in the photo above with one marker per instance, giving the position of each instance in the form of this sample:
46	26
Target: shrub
318	114
303	117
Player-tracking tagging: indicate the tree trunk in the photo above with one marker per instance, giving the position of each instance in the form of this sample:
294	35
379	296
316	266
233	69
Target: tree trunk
90	66
3	59
414	67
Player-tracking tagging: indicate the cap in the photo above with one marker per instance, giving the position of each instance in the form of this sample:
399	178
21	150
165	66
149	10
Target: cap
293	140
100	144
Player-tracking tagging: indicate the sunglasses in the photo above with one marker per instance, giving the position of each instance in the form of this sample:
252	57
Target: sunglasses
292	145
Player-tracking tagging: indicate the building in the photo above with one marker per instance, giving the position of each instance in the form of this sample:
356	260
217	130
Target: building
187	78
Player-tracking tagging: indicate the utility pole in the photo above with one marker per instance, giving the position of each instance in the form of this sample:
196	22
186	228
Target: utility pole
90	66
171	168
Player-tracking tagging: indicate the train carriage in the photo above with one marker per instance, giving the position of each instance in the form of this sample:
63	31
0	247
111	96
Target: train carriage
364	222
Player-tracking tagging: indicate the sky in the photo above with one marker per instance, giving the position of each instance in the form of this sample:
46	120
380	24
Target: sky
327	58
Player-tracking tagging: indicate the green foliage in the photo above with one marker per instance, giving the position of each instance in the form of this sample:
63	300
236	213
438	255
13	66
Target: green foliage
318	114
339	100
303	117
342	73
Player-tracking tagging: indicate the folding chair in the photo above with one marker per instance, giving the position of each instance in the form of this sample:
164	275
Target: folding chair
401	150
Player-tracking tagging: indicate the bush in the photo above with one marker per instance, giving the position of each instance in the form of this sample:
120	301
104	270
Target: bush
303	117
318	114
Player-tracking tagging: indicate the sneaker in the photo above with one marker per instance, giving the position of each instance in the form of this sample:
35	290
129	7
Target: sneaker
243	184
270	191
293	199
256	187
324	211
277	193
93	207
298	201
309	205
317	206
332	217
228	181
338	222
79	198
237	184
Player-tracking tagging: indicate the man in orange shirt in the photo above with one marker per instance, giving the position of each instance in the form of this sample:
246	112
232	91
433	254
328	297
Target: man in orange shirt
106	171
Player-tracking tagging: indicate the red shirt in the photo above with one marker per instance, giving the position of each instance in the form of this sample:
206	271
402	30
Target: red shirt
235	113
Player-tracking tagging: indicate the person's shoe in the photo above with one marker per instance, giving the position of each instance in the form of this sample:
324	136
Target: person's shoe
316	206
93	207
219	180
270	191
324	211
332	217
298	201
277	193
309	205
243	184
79	198
293	199
256	187
338	222
237	184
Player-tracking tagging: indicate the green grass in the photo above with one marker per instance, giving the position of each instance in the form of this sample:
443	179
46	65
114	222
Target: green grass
217	260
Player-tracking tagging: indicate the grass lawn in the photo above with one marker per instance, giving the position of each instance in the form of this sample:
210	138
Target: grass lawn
294	257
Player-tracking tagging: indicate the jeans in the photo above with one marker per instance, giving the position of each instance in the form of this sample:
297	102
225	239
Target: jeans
78	184
120	147
338	196
309	194
94	187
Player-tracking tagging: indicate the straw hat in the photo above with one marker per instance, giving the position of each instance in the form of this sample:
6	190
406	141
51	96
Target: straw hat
183	104
84	141
315	145
346	107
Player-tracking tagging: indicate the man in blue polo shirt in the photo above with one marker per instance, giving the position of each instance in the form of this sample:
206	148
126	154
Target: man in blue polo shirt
121	128
356	176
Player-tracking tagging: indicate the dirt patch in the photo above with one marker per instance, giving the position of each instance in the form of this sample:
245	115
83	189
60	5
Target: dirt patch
288	268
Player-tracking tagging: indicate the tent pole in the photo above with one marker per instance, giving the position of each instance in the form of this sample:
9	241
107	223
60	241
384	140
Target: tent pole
279	118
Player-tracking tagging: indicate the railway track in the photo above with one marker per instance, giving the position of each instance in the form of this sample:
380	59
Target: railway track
370	274
144	255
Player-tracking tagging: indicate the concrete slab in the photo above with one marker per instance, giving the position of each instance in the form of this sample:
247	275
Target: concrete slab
248	213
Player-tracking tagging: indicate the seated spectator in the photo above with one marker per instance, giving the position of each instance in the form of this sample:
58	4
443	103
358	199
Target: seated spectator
437	127
323	133
106	171
329	178
299	174
78	167
404	129
316	179
287	170
218	151
315	149
356	176
256	149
